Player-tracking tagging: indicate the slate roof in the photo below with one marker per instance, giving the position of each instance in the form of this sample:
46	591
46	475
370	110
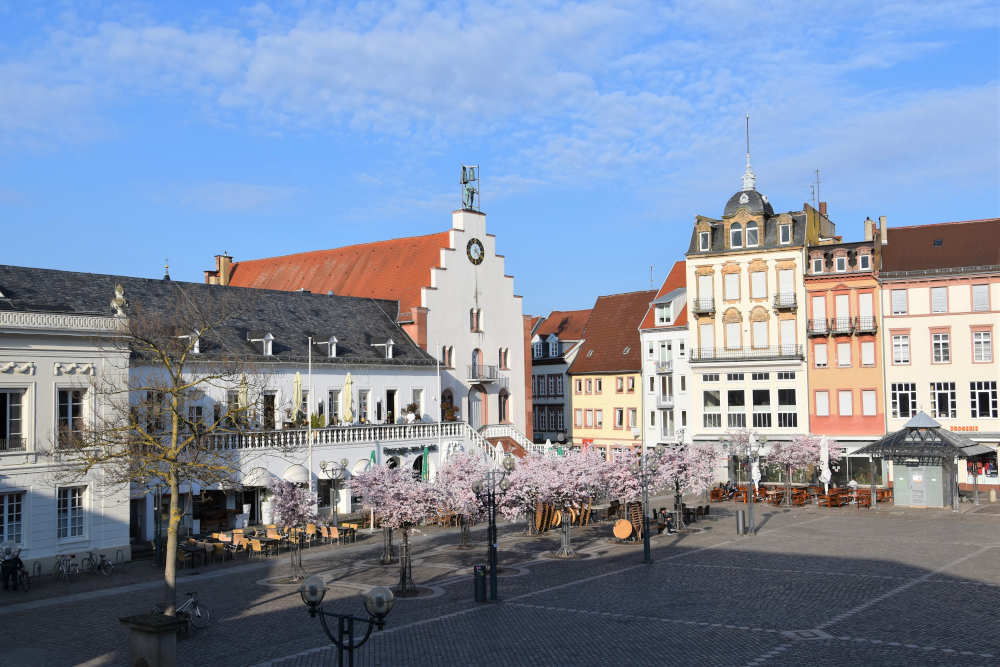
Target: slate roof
769	240
289	317
968	243
756	203
565	324
612	327
394	269
675	281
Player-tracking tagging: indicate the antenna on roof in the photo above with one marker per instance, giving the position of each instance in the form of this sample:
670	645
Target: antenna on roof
812	190
650	276
818	198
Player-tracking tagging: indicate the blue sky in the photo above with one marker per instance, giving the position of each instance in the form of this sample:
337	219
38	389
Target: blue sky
130	133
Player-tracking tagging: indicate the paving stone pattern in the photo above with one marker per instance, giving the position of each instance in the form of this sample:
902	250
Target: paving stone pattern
816	586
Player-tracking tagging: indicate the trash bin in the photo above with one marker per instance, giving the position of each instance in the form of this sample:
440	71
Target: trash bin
741	522
479	582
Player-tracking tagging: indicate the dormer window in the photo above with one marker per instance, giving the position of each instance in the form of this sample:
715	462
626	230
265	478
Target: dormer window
736	235
841	264
817	265
663	314
538	349
704	241
866	262
753	235
784	234
554	347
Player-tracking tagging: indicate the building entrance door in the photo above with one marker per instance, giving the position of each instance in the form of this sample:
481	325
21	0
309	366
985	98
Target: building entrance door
477	407
390	406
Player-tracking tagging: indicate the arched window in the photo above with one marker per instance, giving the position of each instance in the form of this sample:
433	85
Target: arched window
736	235
753	237
477	362
444	356
451	356
503	406
448	412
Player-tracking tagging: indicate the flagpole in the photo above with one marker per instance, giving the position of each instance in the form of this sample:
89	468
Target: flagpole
309	432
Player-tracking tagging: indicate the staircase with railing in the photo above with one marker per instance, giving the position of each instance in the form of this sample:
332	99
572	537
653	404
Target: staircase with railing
508	431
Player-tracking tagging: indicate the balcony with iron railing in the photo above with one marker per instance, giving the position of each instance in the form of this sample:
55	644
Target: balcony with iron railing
785	301
818	327
483	373
842	326
703	306
13	443
867	324
665	366
773	353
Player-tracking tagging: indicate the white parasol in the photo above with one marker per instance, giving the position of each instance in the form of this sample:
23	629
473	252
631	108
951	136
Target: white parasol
755	464
824	459
348	390
296	395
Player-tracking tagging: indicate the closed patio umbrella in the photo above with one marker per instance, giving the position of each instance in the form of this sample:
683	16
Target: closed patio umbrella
243	397
824	458
297	394
348	398
424	465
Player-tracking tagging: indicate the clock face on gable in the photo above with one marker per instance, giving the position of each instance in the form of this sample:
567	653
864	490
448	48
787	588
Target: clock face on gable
475	251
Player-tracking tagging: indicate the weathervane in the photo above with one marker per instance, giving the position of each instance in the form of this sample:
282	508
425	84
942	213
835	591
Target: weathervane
470	187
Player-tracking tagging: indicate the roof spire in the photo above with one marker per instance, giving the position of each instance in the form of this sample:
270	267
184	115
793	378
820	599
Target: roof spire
166	269
749	179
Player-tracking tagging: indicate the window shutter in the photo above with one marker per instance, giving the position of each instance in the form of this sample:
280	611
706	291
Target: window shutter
868	353
865	304
899	302
843	306
939	299
980	297
820	351
822	404
845	403
758	285
819	307
843	354
732	335
785	281
760	334
868	403
732	286
707	338
787	333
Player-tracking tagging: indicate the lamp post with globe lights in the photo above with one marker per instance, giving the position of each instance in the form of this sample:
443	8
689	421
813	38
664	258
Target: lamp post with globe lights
486	490
378	604
335	472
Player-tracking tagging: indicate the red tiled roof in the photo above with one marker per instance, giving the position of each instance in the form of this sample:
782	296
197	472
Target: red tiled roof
394	269
612	327
968	243
676	279
566	324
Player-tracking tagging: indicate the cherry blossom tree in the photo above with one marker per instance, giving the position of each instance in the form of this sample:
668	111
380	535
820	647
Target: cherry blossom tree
401	502
568	482
372	485
292	506
525	490
699	461
454	490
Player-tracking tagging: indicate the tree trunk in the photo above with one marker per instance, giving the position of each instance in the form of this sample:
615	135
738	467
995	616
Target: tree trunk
170	555
463	520
387	555
788	485
405	572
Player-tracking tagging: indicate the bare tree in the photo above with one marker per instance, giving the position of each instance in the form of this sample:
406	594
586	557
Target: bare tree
155	420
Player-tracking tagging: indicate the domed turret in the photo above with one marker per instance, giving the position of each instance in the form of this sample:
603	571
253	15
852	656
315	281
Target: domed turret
754	202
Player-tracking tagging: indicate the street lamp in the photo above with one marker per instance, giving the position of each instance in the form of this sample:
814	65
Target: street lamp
336	473
486	490
644	479
753	446
378	604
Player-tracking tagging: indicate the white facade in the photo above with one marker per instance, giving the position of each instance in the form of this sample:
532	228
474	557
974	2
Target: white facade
472	310
666	378
48	364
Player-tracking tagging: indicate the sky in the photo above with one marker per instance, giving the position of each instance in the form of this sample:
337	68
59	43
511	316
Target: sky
132	133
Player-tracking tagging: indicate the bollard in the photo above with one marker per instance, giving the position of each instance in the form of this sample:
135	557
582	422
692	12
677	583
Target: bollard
993	495
741	522
479	582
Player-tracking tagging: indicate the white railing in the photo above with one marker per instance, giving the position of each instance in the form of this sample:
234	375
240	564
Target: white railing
338	435
508	431
492	453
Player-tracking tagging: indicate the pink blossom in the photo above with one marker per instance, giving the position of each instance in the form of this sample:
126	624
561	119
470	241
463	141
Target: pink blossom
398	498
291	504
454	484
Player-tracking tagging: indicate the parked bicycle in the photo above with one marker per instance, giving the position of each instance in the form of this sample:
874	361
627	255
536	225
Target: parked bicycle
192	612
97	564
67	567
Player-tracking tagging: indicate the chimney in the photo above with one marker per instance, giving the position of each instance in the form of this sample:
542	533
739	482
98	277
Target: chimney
869	229
223	268
882	230
822	209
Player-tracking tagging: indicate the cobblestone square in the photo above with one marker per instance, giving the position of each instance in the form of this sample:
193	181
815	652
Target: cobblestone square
815	586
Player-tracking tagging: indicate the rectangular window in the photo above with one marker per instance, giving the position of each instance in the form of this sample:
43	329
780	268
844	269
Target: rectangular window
867	353
652	418
663	316
843	354
70	511
578	417
903	398
939	299
787	330
760	377
787	415
868	408
619	384
759	334
703	241
712	409
899	302
732	335
818	265
70	415
710	377
761	408
579	386
652	384
822	404
786	375
866	262
980	298
364	403
784	234
732	286
588	418
845	403
11	435
683	383
865	308
599	418
900	348
984	399
633	417
590	386
334	407
758	285
941	346
11	517
734	377
943	403
819	352
737	415
982	346
706	333
630	384
619	418
841	263
598	385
